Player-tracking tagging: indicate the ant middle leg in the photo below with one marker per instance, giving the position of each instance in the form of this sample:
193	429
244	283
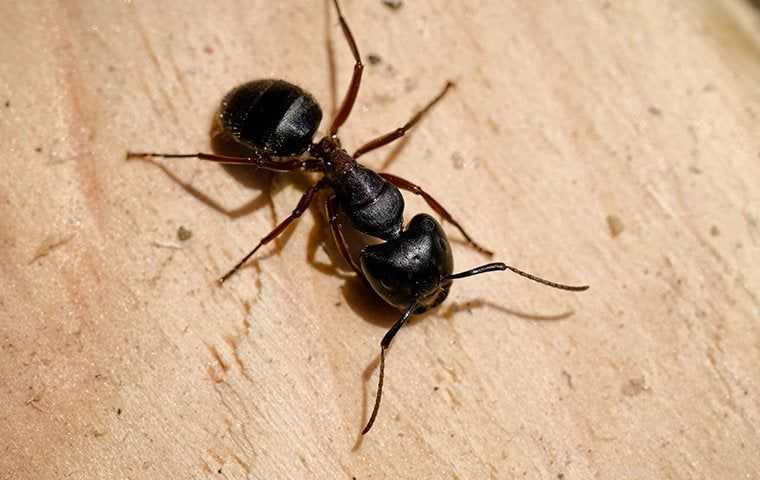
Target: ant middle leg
256	159
303	204
337	231
400	132
356	77
437	207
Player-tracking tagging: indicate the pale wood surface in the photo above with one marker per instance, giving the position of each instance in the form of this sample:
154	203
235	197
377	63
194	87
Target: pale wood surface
571	120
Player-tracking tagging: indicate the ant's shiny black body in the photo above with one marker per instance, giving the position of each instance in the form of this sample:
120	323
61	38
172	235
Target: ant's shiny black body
413	268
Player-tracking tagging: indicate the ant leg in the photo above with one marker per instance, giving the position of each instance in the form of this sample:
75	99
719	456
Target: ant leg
258	160
356	78
433	203
384	344
400	132
303	204
338	238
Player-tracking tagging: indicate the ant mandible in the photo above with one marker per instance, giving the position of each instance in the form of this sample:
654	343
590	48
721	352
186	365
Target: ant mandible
413	268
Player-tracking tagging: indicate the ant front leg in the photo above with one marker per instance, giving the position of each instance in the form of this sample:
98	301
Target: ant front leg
256	159
400	132
303	204
437	207
356	77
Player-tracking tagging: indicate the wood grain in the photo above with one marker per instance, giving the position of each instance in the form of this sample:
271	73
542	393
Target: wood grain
613	143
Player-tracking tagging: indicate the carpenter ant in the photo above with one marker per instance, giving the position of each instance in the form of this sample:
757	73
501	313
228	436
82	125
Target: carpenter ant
413	268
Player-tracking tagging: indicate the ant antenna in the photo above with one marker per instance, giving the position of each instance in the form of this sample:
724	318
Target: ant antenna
379	393
498	266
386	341
384	344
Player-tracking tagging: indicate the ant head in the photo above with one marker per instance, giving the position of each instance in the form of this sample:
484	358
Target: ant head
411	267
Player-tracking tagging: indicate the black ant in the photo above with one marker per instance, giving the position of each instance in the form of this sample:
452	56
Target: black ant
413	269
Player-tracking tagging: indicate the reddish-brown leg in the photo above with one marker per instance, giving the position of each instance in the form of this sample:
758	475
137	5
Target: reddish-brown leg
433	203
303	204
258	160
356	78
400	132
337	231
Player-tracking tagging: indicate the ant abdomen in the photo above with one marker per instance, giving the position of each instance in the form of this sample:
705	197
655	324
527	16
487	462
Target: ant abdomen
272	115
412	267
374	206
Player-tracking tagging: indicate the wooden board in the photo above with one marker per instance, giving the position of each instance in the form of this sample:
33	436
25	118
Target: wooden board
613	143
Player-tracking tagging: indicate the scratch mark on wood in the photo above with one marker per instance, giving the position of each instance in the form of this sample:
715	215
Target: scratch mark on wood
240	437
80	133
49	244
243	465
217	375
452	373
454	400
234	342
155	278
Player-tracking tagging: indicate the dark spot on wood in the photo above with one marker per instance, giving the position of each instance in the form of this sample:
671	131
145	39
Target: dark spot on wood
634	387
458	160
393	4
184	234
714	231
38	149
568	379
374	59
118	411
655	111
615	225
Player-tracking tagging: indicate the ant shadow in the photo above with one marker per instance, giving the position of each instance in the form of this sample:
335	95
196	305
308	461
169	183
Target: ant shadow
360	299
255	179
